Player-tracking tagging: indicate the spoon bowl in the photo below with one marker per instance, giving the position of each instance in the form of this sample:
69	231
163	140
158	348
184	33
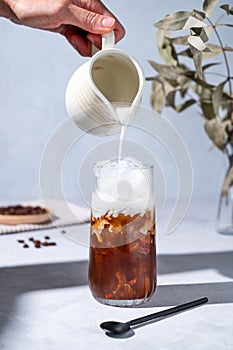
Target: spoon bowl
115	327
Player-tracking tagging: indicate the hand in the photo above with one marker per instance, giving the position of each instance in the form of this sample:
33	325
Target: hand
80	21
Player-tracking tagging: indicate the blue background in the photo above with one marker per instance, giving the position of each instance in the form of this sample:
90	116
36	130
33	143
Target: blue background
35	67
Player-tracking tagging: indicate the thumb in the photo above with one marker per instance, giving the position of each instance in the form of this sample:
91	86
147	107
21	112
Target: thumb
90	21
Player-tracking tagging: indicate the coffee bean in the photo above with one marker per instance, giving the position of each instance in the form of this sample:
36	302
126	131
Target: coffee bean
37	244
52	243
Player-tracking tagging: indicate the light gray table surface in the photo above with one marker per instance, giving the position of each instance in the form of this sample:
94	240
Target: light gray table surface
45	302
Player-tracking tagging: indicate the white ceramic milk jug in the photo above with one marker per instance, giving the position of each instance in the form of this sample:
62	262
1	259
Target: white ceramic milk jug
105	92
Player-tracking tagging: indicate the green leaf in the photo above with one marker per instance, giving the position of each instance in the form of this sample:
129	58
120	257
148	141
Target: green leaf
196	42
206	66
225	24
228	48
207	103
227	9
226	105
166	71
170	99
150	78
200	32
167	86
217	97
180	40
184	84
216	131
186	104
197	89
166	48
186	53
212	51
198	14
192	75
197	60
209	6
175	21
193	22
157	96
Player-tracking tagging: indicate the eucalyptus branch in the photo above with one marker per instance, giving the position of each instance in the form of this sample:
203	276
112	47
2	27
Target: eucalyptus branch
216	104
226	63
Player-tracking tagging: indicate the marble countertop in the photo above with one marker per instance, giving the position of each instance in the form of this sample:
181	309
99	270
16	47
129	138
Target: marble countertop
45	303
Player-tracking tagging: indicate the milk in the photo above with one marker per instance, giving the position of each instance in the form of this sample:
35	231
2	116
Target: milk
124	114
121	141
122	186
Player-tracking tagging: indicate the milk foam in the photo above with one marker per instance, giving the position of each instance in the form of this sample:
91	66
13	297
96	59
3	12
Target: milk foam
122	185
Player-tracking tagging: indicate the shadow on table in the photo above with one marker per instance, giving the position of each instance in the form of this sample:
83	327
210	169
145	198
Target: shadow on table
169	295
19	280
15	281
217	292
175	263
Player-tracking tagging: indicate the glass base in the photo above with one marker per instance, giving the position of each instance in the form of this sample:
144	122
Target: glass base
122	303
226	230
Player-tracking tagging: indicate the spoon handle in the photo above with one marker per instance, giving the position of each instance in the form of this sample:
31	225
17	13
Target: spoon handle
168	312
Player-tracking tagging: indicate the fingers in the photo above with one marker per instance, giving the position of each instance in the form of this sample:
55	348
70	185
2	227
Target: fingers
94	19
98	7
119	30
89	21
96	39
78	40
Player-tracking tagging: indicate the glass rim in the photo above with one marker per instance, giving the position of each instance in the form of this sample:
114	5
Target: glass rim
144	166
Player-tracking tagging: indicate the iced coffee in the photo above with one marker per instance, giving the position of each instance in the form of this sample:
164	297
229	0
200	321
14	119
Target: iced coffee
122	268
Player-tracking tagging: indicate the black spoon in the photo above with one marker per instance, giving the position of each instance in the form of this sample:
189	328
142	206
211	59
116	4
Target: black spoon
118	328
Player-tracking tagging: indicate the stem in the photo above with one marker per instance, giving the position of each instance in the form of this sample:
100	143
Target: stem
226	63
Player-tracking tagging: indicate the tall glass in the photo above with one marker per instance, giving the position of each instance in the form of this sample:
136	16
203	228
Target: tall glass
122	266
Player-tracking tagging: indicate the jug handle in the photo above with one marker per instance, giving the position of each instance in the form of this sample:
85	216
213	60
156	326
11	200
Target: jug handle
108	42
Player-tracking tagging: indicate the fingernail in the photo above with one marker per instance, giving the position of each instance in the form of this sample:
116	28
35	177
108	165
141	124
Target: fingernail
108	22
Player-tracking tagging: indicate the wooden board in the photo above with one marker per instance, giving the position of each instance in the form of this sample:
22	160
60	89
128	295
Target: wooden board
25	219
